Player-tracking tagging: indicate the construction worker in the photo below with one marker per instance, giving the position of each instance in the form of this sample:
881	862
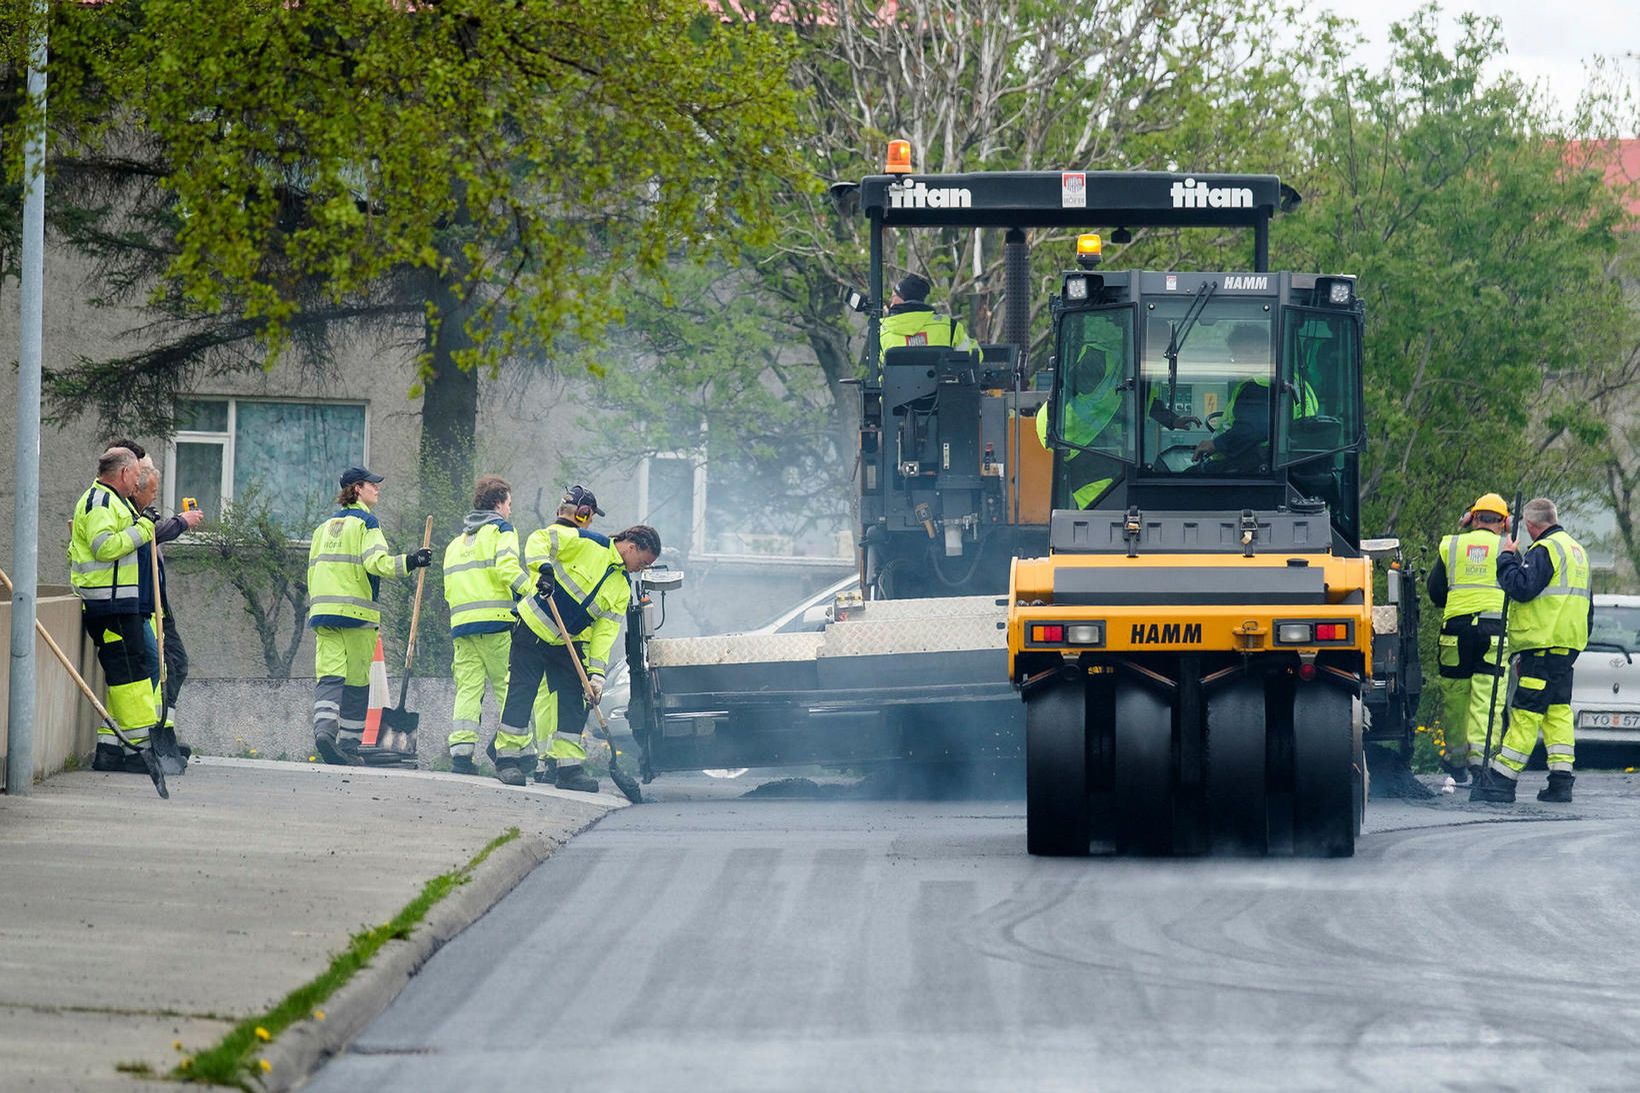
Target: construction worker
167	684
1091	400
586	580
1244	430
1463	583
910	321
1550	614
106	532
346	562
483	578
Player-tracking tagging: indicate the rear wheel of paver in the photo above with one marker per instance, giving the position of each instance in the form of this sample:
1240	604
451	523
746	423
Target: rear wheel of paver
1235	751
1325	781
1142	790
1057	815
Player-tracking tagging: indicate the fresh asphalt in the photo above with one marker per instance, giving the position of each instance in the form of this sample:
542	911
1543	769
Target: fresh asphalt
713	942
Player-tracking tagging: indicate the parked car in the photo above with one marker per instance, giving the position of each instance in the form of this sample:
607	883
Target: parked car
1606	680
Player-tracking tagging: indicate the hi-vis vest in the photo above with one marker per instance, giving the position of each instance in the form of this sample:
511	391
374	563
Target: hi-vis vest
483	578
592	592
1557	617
102	552
346	562
1305	406
1471	574
922	327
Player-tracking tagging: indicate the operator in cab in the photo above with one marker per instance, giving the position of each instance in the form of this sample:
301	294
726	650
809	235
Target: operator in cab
911	322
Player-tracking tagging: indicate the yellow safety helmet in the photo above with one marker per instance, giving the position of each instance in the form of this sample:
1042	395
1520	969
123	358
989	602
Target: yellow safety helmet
1491	502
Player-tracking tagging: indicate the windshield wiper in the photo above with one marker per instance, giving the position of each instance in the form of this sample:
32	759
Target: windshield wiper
1178	331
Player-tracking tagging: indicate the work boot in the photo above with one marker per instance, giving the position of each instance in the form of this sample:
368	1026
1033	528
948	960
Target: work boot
573	777
1493	788
510	773
334	753
1559	789
1474	772
1457	772
114	759
548	774
462	764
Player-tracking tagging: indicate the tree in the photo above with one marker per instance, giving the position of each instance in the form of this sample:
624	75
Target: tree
1484	258
474	174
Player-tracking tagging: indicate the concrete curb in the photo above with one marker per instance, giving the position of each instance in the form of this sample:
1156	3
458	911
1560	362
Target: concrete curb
304	1047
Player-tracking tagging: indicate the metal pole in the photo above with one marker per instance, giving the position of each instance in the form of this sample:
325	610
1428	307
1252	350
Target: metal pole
26	532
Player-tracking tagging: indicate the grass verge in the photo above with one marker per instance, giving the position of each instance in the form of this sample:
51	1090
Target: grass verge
232	1060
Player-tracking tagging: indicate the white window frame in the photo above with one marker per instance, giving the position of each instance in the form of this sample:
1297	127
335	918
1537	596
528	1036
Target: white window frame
226	440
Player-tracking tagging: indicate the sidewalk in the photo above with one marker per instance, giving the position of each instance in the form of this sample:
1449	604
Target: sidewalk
128	922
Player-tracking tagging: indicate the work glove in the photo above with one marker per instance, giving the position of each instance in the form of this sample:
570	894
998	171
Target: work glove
595	688
421	559
544	583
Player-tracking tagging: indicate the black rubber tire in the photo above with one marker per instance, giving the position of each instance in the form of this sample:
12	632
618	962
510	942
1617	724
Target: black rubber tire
1237	818
1142	801
1325	785
1058	820
1358	753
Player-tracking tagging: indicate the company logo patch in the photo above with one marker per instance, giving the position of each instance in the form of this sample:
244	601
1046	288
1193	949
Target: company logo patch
1167	633
1478	553
1073	189
1191	194
919	195
1247	284
919	338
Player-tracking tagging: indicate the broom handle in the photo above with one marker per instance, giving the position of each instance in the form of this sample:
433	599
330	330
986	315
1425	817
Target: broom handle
575	659
415	607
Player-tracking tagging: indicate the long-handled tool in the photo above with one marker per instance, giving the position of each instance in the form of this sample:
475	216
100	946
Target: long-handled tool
1497	668
397	719
149	759
169	758
624	782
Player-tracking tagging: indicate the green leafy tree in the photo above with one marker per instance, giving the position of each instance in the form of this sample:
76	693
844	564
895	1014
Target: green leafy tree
1484	257
474	176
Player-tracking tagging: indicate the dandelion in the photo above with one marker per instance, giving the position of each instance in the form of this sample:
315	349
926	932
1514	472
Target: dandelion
313	758
263	1034
187	1062
253	751
318	1015
267	1067
176	1045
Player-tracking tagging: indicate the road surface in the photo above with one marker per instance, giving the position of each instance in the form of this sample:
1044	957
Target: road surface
717	943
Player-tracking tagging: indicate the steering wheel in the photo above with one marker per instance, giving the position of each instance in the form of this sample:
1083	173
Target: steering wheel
1213	420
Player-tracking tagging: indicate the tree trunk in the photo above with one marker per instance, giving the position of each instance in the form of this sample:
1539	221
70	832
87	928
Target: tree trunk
449	407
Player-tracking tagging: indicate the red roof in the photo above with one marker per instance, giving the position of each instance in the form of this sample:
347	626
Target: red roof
1619	160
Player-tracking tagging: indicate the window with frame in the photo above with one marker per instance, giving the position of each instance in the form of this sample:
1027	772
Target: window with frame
289	452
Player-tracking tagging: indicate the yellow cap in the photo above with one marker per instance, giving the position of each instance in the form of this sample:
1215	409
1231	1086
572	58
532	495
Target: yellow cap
1491	502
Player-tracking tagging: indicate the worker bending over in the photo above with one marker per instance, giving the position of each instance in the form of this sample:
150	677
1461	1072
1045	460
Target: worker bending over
585	576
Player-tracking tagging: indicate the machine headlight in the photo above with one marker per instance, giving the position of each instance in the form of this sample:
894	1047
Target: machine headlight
1338	293
1084	633
1076	288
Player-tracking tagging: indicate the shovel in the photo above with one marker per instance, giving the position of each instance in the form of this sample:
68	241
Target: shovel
397	719
149	759
171	760
624	782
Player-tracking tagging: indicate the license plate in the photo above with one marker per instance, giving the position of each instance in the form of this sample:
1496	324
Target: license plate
1592	719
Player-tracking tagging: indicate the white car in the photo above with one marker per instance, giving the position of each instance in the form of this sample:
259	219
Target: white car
1606	678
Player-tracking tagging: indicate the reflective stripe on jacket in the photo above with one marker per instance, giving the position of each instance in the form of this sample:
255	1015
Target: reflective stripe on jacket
1558	616
483	578
592	592
346	562
1471	574
103	542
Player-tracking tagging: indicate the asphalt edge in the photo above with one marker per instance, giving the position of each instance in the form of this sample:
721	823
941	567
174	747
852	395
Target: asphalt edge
305	1047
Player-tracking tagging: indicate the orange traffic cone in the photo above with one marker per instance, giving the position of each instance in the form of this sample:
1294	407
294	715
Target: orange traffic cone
378	697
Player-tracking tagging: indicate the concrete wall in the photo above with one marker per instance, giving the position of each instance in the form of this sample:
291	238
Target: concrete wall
64	723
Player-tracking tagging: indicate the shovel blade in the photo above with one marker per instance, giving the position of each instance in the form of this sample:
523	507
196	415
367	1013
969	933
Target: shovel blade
399	719
155	771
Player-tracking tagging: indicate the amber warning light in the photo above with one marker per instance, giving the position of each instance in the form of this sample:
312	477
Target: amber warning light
899	158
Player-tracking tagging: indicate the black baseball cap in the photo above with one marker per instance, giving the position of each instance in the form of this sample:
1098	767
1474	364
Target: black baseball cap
355	475
580	495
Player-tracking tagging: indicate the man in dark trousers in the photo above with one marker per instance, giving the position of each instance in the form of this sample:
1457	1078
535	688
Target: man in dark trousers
1550	613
